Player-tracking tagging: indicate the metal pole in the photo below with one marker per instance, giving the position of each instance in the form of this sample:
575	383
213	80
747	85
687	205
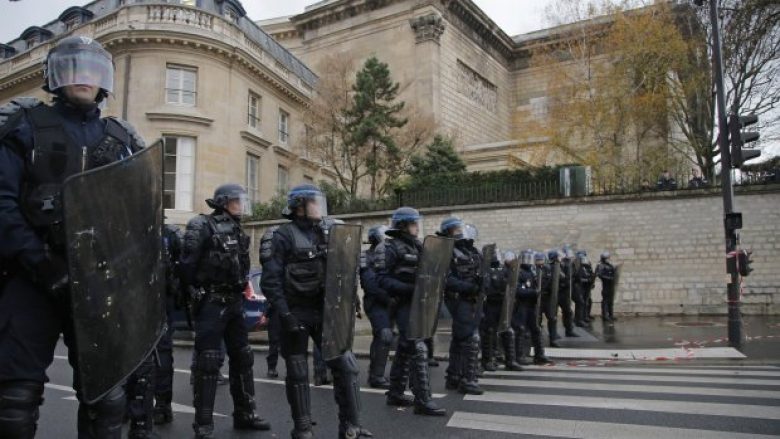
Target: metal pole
733	290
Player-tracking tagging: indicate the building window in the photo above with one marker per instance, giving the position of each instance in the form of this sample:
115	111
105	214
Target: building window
181	85
178	172
231	15
284	125
72	22
253	177
253	110
282	180
32	41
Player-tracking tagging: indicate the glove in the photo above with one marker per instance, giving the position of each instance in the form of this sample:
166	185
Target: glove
290	323
51	275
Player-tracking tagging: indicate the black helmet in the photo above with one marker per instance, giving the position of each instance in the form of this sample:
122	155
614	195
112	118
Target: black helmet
376	234
79	60
301	195
227	192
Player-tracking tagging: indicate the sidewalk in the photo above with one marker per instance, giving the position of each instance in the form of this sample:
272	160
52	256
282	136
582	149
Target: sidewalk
670	338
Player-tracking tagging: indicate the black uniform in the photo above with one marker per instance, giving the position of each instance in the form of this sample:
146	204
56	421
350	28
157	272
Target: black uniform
293	280
606	272
40	146
274	324
378	308
565	296
583	284
215	263
464	283
524	320
488	326
547	310
396	265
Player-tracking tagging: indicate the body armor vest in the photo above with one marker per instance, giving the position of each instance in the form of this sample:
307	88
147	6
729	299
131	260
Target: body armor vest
55	157
225	265
467	264
408	255
498	284
606	271
304	272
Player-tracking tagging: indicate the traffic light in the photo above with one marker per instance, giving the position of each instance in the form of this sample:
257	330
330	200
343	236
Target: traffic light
739	138
744	261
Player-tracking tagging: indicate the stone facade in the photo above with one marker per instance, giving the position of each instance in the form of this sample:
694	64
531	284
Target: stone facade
451	60
230	58
670	244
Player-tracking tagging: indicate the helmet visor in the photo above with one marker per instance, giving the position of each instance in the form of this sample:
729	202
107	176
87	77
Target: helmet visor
80	67
240	204
527	258
316	206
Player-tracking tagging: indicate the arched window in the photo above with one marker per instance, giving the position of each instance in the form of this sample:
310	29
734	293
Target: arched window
75	16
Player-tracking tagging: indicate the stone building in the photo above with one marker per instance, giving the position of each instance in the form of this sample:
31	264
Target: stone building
452	61
226	97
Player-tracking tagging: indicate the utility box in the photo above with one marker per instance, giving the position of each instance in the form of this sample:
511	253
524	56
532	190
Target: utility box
575	181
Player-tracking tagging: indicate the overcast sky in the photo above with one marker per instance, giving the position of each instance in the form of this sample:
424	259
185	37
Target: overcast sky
18	16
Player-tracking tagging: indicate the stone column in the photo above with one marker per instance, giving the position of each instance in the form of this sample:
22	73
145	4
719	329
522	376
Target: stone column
428	28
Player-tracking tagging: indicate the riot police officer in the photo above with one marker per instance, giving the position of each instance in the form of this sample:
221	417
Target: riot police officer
215	264
461	294
549	301
565	290
583	284
607	273
40	146
396	264
293	280
488	327
274	324
524	319
377	305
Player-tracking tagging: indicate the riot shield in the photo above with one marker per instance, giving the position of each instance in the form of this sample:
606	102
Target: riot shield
539	277
488	252
568	287
113	222
508	305
554	288
338	324
429	285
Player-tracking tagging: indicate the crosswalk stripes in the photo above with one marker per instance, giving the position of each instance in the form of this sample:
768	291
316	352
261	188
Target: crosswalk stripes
616	402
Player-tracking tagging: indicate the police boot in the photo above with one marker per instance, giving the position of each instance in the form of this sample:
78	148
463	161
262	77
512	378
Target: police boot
508	341
570	332
163	413
552	330
579	316
522	349
453	372
140	389
611	310
380	349
347	393
539	358
468	383
103	419
242	389
488	354
432	362
399	377
297	389
205	390
421	384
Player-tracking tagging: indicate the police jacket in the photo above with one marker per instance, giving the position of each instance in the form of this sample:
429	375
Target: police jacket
294	276
465	277
526	293
605	271
498	279
40	146
368	279
396	264
215	254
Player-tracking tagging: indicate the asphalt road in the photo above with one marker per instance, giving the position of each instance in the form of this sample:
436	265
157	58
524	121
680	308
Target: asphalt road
619	400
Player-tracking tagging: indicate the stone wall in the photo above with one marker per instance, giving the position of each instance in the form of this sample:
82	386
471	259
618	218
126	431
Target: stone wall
671	244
